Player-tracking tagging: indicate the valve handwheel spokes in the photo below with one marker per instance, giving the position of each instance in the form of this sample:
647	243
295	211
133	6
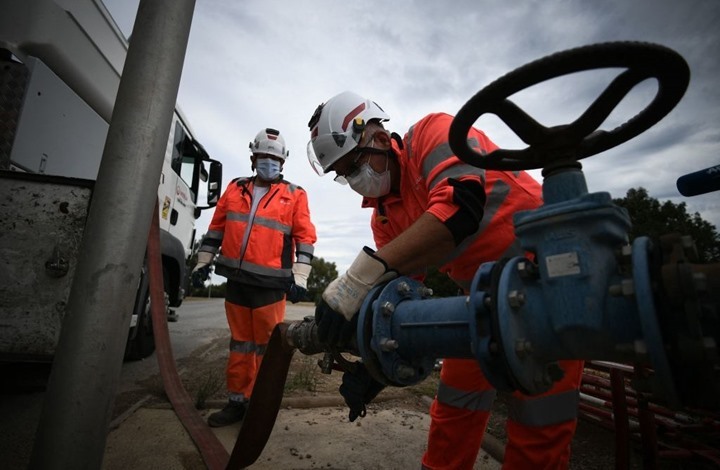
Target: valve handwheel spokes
581	138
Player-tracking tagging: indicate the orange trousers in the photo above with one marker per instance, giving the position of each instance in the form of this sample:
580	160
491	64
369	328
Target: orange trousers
539	431
251	329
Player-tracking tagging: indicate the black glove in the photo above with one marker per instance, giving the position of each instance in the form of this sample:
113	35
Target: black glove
296	293
333	328
199	277
358	389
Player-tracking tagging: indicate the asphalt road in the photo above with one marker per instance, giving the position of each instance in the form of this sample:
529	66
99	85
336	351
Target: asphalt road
22	392
199	322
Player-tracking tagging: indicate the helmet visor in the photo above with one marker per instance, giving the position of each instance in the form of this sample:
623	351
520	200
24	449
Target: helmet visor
330	148
313	159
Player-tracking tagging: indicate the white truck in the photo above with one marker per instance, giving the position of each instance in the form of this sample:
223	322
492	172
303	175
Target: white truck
60	67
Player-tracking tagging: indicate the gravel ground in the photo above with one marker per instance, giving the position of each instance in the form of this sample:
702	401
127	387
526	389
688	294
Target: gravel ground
203	376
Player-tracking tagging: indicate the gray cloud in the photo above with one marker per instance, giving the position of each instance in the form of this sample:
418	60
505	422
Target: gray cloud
270	63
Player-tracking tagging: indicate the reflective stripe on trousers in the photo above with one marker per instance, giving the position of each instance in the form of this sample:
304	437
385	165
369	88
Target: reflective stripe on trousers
539	428
250	329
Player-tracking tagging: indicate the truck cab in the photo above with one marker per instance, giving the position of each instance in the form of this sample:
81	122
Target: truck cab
60	67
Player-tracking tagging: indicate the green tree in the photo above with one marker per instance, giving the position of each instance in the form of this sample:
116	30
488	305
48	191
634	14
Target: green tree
210	290
322	274
652	218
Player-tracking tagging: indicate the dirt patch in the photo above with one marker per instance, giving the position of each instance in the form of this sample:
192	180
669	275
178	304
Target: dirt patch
312	428
393	435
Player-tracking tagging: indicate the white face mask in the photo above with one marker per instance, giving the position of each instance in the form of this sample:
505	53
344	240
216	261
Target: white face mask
267	169
369	183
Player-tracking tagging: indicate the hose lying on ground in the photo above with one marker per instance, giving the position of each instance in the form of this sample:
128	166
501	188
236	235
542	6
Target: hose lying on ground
211	449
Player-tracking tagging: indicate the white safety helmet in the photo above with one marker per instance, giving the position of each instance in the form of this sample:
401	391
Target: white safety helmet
337	126
269	141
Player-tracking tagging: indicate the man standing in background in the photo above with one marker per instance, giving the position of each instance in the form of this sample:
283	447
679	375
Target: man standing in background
258	224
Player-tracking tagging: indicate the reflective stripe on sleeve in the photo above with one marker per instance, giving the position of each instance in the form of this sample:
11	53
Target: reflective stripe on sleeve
546	410
303	258
457	171
474	401
441	153
211	241
305	248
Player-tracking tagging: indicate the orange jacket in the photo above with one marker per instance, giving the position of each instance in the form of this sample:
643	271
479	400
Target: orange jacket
280	228
427	166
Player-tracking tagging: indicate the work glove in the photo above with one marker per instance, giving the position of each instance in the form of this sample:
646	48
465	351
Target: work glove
358	389
199	276
295	293
344	296
332	327
204	258
298	289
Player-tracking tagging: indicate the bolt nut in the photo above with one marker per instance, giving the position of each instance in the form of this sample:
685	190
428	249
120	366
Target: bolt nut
404	288
527	270
57	265
387	308
523	347
388	345
516	299
426	292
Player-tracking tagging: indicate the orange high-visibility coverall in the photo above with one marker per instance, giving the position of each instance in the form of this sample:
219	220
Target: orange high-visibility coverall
258	266
433	180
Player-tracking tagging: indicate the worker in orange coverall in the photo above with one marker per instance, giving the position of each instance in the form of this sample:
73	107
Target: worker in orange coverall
258	224
432	209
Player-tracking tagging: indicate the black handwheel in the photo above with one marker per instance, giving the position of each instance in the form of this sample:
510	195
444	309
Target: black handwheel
580	139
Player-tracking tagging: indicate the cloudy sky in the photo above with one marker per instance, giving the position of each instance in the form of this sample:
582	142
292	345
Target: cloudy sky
269	63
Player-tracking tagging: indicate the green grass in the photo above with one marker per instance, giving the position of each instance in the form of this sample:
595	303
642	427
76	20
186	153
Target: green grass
208	385
427	387
304	377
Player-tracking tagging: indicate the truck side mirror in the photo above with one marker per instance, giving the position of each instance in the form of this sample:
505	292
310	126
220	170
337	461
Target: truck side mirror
214	183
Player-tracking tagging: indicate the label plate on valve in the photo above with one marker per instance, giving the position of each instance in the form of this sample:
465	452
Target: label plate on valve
563	264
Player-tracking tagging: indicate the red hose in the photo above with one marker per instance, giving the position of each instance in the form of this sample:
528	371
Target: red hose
211	449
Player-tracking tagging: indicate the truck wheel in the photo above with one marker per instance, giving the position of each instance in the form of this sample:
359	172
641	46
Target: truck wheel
172	315
141	342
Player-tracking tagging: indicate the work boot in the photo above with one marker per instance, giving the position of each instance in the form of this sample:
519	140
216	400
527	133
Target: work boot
233	412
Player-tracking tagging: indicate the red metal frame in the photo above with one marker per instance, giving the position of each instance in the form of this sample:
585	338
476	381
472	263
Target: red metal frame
608	399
